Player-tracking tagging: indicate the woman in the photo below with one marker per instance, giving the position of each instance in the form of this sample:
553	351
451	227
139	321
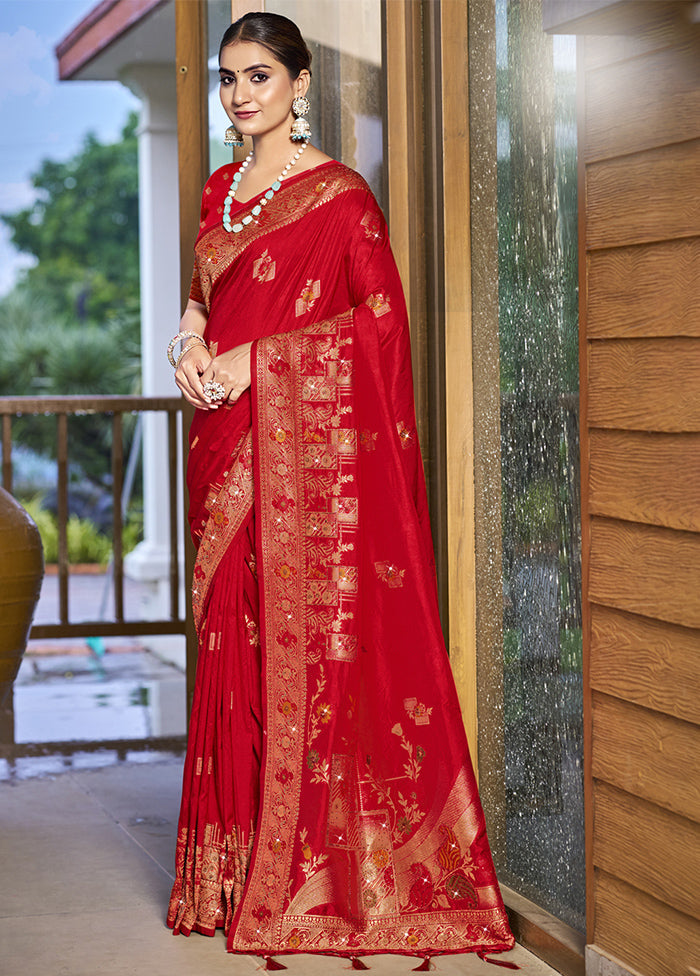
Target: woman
329	803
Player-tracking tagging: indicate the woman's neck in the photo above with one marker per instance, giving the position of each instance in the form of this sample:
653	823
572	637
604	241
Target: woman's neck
272	151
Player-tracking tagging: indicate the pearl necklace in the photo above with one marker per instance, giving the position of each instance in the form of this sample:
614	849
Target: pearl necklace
264	199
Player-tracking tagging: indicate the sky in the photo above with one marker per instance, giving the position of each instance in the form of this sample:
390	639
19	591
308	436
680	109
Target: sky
41	117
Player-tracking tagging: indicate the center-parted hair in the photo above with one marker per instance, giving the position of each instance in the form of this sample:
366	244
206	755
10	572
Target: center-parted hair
278	34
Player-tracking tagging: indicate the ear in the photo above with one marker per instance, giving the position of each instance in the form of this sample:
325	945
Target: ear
301	84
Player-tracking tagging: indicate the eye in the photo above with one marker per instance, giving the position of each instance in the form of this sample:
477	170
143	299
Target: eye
226	80
259	77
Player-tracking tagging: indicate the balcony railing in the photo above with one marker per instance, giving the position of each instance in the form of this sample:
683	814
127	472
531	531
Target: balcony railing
116	407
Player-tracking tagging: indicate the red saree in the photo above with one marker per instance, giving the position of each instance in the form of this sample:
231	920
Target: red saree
329	803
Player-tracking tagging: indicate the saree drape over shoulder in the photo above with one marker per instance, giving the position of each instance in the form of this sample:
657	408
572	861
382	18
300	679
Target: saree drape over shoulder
329	803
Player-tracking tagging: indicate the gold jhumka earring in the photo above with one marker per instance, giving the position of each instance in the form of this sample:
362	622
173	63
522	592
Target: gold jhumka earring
301	131
232	137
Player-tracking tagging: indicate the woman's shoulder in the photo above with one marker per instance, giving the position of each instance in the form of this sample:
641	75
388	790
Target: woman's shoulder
340	182
221	177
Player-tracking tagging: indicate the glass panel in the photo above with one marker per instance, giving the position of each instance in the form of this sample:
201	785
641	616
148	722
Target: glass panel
345	40
218	19
543	856
346	88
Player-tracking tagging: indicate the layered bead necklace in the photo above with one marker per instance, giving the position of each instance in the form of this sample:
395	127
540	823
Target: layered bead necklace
264	199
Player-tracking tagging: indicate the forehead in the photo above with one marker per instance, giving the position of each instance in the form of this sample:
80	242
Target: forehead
241	55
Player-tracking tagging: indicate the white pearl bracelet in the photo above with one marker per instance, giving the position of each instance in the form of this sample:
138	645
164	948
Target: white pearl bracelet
180	337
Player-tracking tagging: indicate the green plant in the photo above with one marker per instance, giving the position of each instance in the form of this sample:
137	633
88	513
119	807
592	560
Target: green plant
571	645
46	524
86	544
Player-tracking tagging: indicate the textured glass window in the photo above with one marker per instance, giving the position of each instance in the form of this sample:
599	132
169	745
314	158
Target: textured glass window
543	854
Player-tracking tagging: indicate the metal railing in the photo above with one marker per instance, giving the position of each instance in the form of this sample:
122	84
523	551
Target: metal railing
116	407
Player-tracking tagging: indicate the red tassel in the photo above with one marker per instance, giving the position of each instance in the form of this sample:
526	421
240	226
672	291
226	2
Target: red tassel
424	967
497	962
271	965
357	963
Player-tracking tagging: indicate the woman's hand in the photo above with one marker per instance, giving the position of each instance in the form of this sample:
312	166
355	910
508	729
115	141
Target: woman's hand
188	375
232	370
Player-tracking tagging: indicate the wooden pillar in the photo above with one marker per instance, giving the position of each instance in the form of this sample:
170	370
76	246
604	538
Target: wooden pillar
193	169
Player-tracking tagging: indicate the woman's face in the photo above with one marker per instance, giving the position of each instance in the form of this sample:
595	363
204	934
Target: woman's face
256	90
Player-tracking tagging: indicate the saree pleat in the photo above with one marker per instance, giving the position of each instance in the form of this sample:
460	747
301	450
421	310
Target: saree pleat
222	771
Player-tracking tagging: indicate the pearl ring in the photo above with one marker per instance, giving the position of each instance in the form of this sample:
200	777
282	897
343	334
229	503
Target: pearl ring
215	391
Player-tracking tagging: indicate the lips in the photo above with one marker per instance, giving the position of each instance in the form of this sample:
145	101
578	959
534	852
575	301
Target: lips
245	115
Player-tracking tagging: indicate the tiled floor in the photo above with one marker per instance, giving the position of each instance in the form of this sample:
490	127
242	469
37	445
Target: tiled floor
85	865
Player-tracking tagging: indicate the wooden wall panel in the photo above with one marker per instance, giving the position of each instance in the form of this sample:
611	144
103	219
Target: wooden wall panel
649	196
647	662
647	754
669	30
643	104
652	384
644	477
640	326
642	932
626	825
603	16
646	570
647	290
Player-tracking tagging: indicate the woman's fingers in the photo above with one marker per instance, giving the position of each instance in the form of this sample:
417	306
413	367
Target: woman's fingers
188	377
231	370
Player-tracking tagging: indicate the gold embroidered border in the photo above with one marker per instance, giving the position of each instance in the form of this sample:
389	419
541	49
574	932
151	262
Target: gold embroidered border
300	465
216	250
301	381
210	877
227	513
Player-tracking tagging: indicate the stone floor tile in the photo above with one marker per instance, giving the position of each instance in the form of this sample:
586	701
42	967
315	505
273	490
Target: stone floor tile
87	862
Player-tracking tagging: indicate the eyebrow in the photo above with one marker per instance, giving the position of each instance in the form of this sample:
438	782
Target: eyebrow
253	67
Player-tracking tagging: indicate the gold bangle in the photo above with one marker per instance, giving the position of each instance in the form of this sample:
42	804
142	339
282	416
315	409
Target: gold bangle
187	348
179	338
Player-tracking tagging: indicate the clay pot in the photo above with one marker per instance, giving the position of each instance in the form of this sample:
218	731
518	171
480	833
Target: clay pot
21	574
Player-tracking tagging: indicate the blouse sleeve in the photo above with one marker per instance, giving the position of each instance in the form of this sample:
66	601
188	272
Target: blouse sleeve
196	292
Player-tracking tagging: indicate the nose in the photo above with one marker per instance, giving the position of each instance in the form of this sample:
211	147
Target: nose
241	94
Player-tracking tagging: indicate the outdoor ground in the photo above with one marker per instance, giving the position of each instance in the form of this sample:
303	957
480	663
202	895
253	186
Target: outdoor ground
87	832
86	860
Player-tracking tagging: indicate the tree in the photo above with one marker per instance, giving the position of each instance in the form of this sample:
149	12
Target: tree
83	230
71	324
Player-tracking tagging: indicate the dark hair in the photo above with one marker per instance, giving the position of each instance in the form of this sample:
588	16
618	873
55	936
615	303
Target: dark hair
278	34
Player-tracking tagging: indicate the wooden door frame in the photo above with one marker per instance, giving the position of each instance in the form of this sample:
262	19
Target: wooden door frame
193	170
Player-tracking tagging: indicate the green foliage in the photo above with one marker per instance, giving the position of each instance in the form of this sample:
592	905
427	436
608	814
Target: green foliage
44	355
535	519
71	326
83	229
85	543
572	650
47	526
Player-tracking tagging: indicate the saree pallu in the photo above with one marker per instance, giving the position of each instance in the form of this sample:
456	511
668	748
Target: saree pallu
329	803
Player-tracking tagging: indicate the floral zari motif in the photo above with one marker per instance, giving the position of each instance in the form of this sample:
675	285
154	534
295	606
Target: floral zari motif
227	508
